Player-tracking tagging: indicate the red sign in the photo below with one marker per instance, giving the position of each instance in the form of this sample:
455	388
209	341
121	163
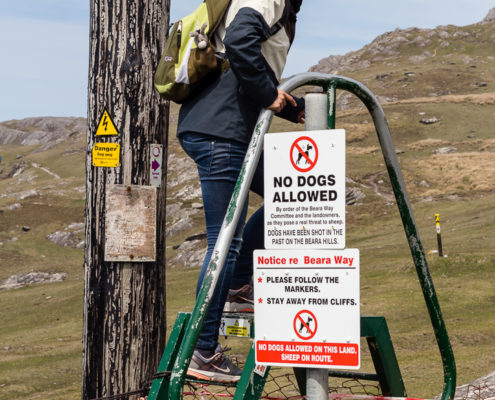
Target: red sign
305	324
304	154
304	353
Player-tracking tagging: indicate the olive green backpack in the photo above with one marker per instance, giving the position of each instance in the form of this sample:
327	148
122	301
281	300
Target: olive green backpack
189	57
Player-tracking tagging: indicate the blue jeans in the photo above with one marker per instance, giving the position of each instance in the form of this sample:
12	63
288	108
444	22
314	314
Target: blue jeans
219	162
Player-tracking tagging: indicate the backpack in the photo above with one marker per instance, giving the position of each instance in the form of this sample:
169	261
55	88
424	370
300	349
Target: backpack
189	58
186	60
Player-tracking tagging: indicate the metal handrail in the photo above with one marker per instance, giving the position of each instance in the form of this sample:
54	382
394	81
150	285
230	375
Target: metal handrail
329	83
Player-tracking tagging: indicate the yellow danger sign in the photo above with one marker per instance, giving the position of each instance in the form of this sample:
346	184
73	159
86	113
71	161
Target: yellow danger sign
106	155
241	331
106	127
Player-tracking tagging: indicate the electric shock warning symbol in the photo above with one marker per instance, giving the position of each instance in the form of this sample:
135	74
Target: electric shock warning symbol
106	127
305	324
304	154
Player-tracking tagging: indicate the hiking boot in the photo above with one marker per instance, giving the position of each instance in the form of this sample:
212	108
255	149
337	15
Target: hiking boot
240	300
215	368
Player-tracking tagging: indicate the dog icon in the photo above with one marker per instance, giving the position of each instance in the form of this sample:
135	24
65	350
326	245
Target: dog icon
306	151
308	325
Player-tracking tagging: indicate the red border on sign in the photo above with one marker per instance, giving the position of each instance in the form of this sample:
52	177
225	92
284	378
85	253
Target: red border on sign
298	318
312	163
308	353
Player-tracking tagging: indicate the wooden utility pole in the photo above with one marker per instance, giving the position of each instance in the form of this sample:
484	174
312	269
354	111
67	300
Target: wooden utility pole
124	302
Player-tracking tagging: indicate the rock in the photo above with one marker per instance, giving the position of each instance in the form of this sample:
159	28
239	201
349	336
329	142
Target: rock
71	236
482	388
198	206
445	150
13	206
490	17
20	280
353	195
44	131
190	254
76	226
424	184
17	169
181	225
27	194
429	121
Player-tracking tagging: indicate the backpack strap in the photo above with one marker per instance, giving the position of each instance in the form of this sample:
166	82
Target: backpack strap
281	22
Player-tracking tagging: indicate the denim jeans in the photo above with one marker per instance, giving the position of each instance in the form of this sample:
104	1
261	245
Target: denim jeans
219	162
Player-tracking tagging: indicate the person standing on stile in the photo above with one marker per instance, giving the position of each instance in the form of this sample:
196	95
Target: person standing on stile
214	129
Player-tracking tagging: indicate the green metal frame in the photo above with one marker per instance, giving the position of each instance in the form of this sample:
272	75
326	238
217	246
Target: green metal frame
329	83
250	386
387	369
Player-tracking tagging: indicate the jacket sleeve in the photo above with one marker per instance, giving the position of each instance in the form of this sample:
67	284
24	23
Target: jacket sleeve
242	42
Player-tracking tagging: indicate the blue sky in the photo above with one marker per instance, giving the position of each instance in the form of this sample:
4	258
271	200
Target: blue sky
44	43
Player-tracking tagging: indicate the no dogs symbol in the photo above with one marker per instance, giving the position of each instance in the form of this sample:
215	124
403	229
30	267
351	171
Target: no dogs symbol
305	324
304	154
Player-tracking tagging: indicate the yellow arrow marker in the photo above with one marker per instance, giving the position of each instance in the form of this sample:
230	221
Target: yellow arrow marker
437	222
106	127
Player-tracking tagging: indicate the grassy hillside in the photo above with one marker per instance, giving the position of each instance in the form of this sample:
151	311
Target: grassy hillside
40	333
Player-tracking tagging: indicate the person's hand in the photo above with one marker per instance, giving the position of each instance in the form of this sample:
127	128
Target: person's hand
281	100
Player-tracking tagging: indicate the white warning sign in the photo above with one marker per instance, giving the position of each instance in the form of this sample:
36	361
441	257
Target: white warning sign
307	308
305	190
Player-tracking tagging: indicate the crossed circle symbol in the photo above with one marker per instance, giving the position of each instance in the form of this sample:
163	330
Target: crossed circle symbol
305	324
297	152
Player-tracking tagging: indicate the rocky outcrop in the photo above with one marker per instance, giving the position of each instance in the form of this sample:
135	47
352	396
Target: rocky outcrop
423	43
490	17
71	236
44	131
20	280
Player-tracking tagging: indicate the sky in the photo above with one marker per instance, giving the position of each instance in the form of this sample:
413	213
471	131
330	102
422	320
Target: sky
44	43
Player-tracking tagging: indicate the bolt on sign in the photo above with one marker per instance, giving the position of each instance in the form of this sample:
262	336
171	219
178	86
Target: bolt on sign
307	308
305	190
106	155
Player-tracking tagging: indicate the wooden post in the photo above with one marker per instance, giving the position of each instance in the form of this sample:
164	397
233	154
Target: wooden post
124	302
439	235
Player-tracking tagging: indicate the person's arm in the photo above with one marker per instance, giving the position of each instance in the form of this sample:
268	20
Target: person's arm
242	41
